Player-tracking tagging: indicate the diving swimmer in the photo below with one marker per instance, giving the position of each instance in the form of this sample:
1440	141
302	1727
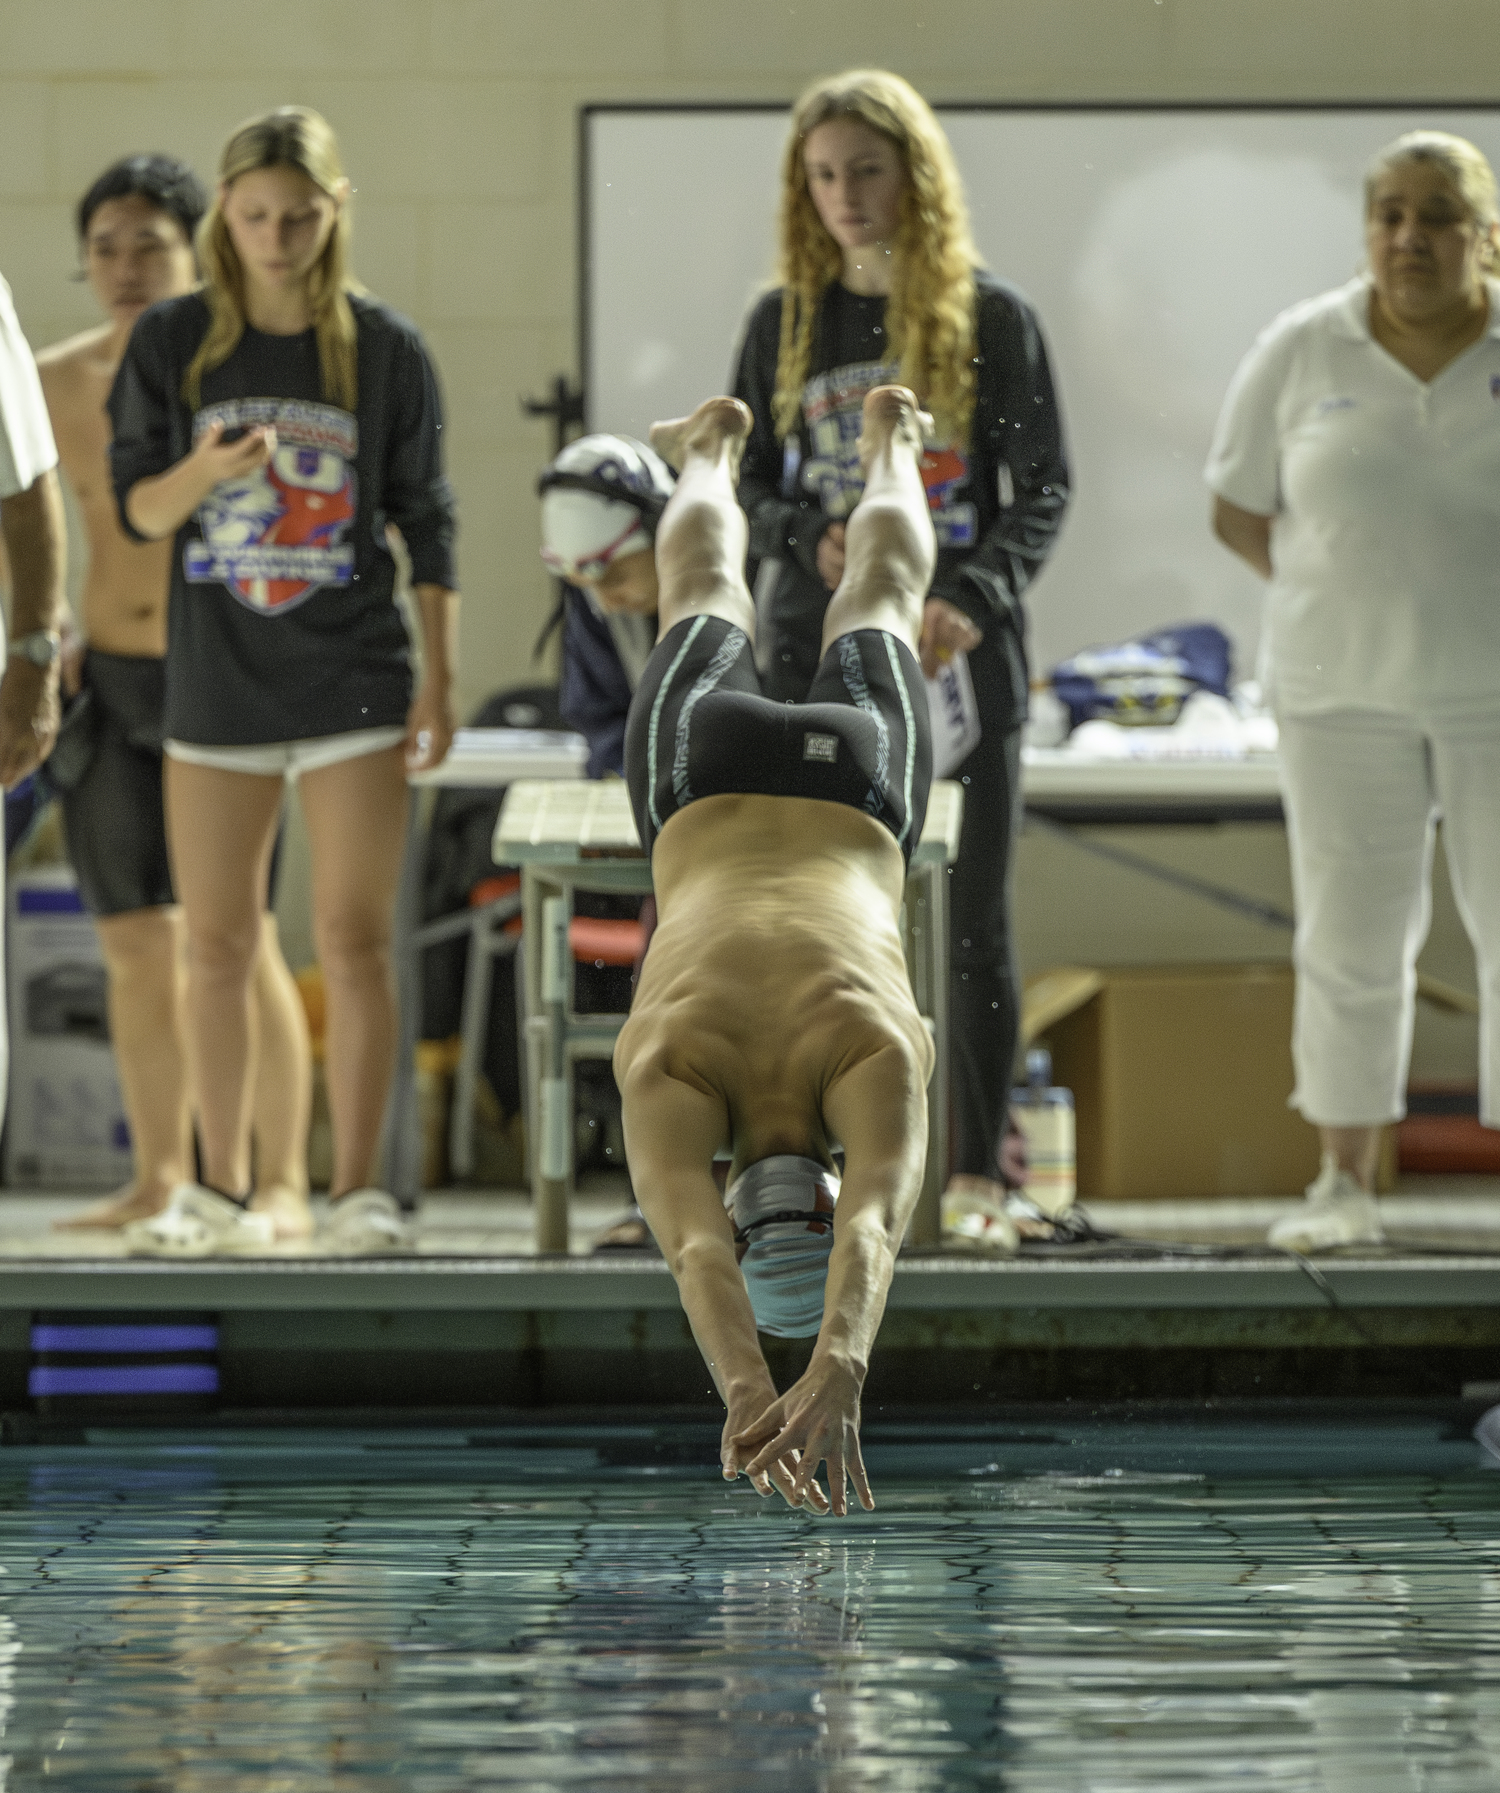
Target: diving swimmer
774	1016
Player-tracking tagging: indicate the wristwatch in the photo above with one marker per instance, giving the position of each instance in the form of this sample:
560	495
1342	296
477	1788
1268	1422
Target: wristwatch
41	647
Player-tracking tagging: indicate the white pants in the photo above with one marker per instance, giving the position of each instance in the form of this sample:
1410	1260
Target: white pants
1363	792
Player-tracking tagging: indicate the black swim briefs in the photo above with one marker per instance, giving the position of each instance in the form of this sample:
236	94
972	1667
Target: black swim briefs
112	815
700	727
113	818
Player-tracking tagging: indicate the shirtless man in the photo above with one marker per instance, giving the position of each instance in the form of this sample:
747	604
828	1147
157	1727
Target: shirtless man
774	1014
135	229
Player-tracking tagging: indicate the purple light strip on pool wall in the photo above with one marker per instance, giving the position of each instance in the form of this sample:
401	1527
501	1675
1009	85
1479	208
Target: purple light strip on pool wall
124	1338
126	1379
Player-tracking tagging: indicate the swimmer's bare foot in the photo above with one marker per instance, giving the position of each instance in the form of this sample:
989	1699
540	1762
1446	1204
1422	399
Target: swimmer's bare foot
290	1212
718	426
892	419
135	1202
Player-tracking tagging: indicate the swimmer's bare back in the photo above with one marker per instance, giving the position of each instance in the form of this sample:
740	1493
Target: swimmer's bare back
776	966
124	601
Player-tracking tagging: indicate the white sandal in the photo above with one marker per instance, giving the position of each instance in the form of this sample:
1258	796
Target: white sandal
365	1223
199	1223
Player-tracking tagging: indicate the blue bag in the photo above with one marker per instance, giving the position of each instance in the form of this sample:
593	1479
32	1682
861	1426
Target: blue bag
1147	679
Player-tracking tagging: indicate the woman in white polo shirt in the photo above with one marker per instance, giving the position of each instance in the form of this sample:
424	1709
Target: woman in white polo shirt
1356	466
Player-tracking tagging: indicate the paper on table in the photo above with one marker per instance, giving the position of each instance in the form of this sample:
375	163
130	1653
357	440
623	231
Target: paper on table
954	715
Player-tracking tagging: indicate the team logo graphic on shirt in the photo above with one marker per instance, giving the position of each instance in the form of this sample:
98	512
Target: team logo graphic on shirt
833	405
280	533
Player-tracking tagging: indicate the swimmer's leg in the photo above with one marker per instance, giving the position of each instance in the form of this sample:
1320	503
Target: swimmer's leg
889	548
703	534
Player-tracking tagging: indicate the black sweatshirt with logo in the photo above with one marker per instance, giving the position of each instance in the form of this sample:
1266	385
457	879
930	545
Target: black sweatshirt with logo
283	624
997	501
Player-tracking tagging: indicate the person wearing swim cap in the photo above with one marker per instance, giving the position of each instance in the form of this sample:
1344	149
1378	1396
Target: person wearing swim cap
601	499
774	1015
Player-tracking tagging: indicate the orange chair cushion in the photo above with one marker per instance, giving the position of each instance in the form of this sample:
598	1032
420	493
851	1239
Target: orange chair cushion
490	890
605	942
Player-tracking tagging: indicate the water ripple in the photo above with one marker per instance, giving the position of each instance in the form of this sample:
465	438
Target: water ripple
436	1621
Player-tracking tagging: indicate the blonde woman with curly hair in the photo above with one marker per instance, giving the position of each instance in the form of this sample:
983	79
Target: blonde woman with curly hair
881	283
1356	468
276	422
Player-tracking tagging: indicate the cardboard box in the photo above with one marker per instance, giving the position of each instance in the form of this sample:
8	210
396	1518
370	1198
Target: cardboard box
1180	1075
65	1124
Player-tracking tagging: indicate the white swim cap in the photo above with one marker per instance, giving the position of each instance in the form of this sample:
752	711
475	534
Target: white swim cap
601	499
782	1210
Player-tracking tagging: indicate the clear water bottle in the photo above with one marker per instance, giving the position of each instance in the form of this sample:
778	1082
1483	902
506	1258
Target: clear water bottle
1045	1116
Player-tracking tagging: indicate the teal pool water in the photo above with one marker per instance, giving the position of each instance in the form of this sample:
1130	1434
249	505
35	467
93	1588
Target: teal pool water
1093	1606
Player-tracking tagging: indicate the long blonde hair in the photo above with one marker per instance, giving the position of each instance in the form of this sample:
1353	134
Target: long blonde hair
290	137
930	313
1466	167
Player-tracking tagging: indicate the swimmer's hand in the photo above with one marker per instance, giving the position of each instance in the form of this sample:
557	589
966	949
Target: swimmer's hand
815	1421
946	631
780	1475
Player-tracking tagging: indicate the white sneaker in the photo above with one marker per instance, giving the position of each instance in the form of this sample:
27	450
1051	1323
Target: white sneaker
199	1223
1337	1212
365	1223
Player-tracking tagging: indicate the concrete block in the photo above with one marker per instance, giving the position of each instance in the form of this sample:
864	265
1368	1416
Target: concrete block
81	36
98	122
25	139
1286	48
390	247
507	593
426	139
1455	49
568	37
1042	50
486	368
279	36
37	257
500	263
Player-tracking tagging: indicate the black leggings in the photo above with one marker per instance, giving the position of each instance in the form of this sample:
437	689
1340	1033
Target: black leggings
985	989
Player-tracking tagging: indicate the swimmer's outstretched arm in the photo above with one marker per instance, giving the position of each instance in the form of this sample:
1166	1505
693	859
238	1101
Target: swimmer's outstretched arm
672	1130
879	1110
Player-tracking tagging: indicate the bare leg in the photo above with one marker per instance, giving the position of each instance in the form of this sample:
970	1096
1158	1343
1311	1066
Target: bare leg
282	1099
1357	1150
143	951
221	826
356	822
889	547
703	534
889	555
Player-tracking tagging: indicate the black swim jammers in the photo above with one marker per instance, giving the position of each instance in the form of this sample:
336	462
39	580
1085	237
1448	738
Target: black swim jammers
700	727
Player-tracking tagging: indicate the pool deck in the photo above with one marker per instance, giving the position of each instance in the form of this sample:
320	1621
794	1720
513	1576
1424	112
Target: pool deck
473	1253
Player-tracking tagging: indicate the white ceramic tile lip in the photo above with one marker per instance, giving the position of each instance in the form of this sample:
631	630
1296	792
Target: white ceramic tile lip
487	1223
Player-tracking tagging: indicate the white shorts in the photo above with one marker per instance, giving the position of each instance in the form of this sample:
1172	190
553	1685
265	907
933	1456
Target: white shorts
286	759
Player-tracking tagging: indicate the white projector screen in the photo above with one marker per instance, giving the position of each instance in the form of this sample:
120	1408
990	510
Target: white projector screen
1154	243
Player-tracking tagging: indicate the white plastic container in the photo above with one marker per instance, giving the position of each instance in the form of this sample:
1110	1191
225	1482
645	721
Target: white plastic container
1045	1116
66	1125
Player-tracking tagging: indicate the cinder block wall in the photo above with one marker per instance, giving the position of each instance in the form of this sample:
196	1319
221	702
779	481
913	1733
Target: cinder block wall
458	121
